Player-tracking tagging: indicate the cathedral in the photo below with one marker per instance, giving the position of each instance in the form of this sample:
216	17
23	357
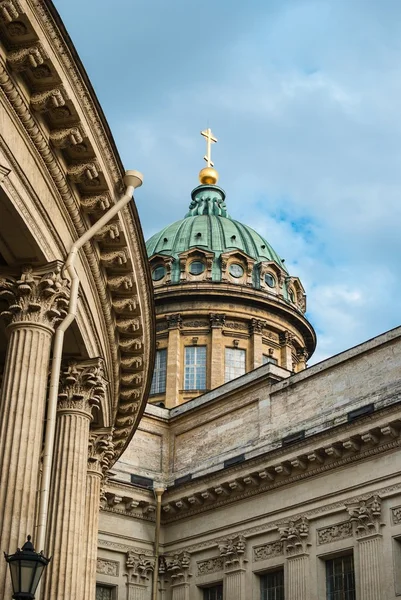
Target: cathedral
161	435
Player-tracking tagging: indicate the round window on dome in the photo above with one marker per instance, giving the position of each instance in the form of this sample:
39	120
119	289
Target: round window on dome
196	267
270	280
158	273
236	270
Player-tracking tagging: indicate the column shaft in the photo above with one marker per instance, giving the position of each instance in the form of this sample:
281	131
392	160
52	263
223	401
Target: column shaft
370	554
181	592
173	381
234	585
136	592
93	483
22	406
217	359
257	348
298	577
67	507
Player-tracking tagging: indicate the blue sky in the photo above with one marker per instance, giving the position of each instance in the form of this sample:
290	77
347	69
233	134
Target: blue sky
304	97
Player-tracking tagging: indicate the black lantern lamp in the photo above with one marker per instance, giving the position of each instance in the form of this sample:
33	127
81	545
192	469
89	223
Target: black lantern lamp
26	567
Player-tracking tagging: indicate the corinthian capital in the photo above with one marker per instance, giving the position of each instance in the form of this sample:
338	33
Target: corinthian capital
82	386
38	295
100	451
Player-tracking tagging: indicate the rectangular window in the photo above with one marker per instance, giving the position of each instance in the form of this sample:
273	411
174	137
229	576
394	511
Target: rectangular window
159	374
340	578
213	593
269	359
272	585
235	363
104	592
195	368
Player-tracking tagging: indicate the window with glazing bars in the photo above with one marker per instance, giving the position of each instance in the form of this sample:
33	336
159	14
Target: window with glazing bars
213	593
272	585
159	374
103	592
195	368
340	578
235	363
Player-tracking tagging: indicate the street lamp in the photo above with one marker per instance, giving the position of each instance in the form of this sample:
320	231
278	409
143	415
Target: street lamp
26	567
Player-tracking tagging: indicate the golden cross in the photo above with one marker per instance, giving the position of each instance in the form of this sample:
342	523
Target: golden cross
210	139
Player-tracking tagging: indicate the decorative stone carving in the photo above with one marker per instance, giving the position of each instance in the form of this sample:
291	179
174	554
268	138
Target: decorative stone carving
129	344
100	452
217	320
294	536
10	10
127	324
365	515
340	531
211	565
37	296
69	136
396	515
27	58
122	305
131	362
97	203
84	172
174	321
107	567
139	566
178	567
232	550
120	282
48	100
269	550
110	232
82	386
286	338
112	258
236	325
256	326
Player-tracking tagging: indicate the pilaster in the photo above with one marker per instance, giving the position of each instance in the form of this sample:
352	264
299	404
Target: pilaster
217	350
139	569
256	329
286	346
233	551
82	387
100	455
365	517
295	536
174	358
178	568
37	301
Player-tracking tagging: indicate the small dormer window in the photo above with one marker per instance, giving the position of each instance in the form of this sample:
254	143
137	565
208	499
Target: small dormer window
270	280
196	267
158	273
236	270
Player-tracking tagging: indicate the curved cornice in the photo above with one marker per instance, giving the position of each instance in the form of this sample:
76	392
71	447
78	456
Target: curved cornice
50	94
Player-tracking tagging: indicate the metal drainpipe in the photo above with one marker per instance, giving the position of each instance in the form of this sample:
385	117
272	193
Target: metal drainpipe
132	180
158	492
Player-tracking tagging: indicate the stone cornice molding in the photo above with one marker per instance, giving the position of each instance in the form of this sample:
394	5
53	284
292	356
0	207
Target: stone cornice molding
37	295
96	183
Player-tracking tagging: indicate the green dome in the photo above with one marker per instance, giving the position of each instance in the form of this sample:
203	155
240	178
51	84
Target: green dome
208	226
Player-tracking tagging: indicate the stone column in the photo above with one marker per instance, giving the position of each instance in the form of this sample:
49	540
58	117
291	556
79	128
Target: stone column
37	302
178	568
365	517
295	535
139	569
257	343
101	452
174	376
286	350
232	550
82	387
217	358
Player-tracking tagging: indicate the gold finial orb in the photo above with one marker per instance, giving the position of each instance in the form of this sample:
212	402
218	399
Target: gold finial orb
208	176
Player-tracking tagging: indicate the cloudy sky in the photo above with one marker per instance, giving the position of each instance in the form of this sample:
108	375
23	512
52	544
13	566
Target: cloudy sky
305	99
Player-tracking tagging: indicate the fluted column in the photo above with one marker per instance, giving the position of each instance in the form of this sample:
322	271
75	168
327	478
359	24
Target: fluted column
173	379
81	388
178	568
217	358
286	348
100	455
37	301
139	569
295	536
233	551
365	517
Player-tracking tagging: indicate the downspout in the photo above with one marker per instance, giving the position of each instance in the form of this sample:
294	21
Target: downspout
158	492
132	180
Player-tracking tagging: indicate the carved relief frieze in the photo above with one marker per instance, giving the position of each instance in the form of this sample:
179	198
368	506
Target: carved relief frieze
211	565
107	567
82	386
195	323
365	515
37	296
396	515
295	536
333	533
233	550
236	325
27	58
269	550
